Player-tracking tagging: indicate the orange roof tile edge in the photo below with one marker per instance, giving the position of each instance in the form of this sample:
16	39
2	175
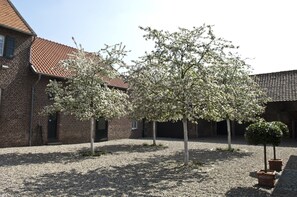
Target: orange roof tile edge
46	55
10	18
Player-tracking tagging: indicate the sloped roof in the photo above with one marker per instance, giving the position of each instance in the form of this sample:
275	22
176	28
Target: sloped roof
46	55
280	86
11	18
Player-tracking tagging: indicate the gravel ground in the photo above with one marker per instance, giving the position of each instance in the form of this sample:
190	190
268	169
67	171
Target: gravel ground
131	169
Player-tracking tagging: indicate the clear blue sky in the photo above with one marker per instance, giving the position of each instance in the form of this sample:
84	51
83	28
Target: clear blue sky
265	30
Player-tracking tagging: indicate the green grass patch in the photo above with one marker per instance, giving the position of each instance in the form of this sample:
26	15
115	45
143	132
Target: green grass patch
196	163
145	144
154	145
97	153
193	164
228	150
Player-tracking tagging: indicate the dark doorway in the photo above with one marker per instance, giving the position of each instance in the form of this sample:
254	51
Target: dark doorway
101	130
240	128
293	123
170	129
52	127
222	128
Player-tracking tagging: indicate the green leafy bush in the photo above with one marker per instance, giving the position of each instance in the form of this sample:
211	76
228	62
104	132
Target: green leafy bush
265	133
258	133
283	127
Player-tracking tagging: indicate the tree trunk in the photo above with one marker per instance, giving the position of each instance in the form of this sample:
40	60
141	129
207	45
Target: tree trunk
154	133
274	153
92	132
265	162
229	134
186	153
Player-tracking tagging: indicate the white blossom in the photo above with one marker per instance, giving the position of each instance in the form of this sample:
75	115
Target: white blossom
86	93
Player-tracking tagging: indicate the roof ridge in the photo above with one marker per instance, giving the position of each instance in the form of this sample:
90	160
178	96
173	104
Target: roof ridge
54	42
21	17
275	72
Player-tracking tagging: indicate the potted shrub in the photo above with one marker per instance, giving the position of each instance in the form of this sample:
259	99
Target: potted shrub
277	134
260	133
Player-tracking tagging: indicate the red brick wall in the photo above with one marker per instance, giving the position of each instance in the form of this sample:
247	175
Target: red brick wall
15	85
71	130
39	134
122	128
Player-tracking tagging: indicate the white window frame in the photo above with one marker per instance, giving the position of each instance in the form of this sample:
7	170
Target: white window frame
134	124
2	39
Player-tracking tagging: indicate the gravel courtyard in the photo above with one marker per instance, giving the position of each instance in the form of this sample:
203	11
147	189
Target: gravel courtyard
131	169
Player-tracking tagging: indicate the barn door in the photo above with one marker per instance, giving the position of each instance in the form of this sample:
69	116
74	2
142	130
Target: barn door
101	130
52	127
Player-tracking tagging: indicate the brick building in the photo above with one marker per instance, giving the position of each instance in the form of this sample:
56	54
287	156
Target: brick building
281	87
26	63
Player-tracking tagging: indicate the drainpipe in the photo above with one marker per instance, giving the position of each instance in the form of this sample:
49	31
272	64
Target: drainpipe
32	108
32	95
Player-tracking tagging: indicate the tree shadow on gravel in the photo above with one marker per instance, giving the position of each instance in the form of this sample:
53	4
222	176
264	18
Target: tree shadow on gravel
240	140
246	192
120	148
147	177
212	156
14	159
152	177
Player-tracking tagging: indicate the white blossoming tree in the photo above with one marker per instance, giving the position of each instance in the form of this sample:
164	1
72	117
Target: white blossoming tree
184	57
147	92
239	97
86	93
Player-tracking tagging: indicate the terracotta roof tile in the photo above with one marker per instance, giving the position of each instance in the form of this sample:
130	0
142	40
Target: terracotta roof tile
11	18
46	55
280	86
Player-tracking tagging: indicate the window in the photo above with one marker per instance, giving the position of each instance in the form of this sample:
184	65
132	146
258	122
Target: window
134	124
7	45
1	45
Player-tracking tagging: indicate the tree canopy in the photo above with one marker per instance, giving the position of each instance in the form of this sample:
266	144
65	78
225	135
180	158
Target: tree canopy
184	58
239	97
174	81
86	94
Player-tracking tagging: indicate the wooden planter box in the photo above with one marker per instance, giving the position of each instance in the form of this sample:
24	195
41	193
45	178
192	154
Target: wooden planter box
275	164
266	179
